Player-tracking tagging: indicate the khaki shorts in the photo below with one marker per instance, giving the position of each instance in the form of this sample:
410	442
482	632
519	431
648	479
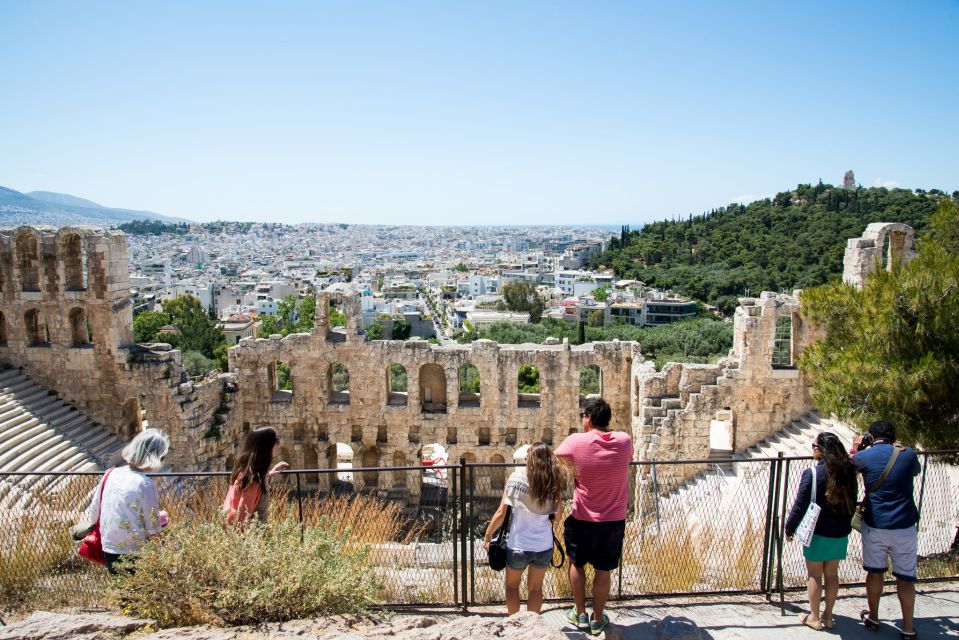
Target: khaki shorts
901	544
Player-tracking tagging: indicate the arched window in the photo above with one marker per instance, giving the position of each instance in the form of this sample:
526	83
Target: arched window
74	262
36	328
338	382
132	418
396	385
432	388
371	458
590	383
28	261
79	333
469	379
782	342
528	385
497	478
282	379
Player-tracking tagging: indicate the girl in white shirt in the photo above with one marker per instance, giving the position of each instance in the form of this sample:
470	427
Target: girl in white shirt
131	508
534	493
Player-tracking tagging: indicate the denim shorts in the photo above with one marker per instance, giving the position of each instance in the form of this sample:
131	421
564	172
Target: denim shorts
519	560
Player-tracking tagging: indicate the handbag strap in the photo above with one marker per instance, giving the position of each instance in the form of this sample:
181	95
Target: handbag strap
103	485
504	528
562	553
885	472
812	498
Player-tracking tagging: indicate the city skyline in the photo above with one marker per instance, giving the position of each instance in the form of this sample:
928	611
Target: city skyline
433	114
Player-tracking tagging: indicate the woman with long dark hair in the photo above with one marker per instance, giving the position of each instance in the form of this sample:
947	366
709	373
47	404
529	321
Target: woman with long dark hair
836	496
535	493
249	492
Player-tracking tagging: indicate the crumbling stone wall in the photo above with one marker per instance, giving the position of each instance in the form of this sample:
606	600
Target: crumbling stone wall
881	246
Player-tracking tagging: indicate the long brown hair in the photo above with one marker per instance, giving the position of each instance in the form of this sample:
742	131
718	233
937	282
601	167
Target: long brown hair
544	474
840	473
255	457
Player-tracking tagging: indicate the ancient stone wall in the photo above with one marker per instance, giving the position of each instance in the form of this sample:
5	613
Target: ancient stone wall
881	246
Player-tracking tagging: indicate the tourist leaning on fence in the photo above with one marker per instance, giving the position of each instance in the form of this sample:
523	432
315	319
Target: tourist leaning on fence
249	493
889	522
535	494
130	514
594	532
836	496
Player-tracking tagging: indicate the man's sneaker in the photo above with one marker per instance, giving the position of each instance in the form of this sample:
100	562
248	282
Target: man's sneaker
596	627
580	621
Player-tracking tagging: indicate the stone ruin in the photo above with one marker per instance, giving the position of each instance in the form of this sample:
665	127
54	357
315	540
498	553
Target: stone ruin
882	246
66	320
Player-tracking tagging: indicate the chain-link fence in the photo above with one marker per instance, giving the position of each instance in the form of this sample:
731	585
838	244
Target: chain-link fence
692	527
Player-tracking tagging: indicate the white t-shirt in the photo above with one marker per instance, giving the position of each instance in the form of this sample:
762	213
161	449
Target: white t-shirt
530	529
131	510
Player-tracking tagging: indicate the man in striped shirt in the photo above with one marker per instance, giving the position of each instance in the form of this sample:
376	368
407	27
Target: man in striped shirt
594	531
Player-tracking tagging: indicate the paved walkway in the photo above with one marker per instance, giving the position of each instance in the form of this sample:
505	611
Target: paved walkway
753	618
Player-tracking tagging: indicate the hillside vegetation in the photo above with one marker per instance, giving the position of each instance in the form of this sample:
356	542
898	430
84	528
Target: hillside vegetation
795	240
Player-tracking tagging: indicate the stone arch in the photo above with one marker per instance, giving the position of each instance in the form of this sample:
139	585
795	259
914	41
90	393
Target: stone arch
371	458
432	388
338	383
132	419
396	385
590	383
79	330
497	478
36	328
28	260
74	258
469	386
528	385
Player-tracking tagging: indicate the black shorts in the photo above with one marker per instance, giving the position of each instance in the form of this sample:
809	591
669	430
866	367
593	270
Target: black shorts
597	543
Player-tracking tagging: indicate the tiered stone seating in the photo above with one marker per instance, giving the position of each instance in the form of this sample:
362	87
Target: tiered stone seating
41	433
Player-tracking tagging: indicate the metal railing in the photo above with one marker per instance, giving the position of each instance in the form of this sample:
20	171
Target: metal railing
693	527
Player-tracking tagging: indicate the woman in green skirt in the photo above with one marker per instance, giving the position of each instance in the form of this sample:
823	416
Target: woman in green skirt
836	496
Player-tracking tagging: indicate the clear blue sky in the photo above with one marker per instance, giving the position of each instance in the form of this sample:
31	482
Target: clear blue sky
458	113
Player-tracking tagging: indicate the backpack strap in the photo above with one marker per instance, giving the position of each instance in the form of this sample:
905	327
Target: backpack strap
885	472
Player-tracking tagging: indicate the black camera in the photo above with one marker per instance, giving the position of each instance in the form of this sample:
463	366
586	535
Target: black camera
867	440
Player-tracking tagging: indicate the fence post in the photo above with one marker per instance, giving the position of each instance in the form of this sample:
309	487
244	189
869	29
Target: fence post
780	580
454	535
656	497
299	499
463	533
768	526
922	484
469	528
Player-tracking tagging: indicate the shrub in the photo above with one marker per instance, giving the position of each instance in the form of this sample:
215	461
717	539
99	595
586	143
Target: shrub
208	573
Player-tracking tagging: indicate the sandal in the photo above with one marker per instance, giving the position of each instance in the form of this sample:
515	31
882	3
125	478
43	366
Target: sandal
828	623
814	625
909	635
868	622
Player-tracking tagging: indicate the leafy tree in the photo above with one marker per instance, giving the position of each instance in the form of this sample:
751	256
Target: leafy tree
147	325
374	331
596	318
401	329
891	349
341	377
195	363
521	297
469	379
462	268
398	380
196	331
528	379
581	336
284	381
589	380
601	293
337	318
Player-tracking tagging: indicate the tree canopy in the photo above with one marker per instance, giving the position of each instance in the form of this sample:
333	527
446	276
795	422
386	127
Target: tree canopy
196	330
521	297
794	240
891	349
292	316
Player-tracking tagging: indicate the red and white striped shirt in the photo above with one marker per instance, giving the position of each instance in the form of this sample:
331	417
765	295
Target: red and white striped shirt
601	461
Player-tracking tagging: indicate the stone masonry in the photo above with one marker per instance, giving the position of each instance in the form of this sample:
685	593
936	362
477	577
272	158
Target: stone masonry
66	319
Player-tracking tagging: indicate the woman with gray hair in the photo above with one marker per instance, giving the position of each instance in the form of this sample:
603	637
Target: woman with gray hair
130	514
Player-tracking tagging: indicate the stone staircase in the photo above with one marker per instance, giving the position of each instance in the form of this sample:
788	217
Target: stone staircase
41	433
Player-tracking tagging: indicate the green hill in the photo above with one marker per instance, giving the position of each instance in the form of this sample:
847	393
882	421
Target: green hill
795	240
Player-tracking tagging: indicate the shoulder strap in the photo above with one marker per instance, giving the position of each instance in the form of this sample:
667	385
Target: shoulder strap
103	485
812	498
885	472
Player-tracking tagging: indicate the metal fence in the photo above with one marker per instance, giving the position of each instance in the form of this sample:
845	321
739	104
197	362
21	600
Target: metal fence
693	527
